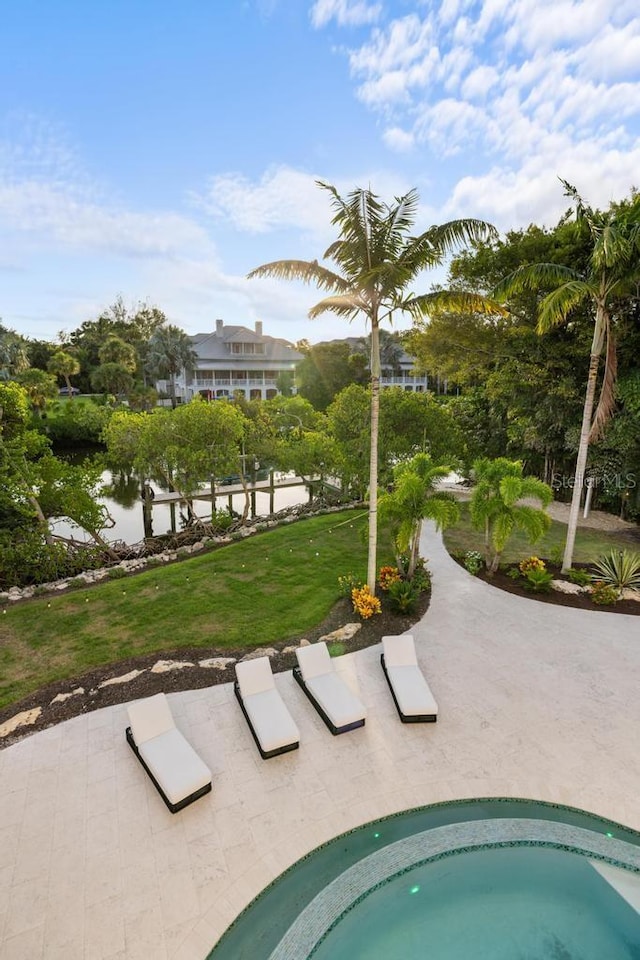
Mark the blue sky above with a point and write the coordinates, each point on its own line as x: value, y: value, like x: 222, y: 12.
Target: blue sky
x: 161, y: 150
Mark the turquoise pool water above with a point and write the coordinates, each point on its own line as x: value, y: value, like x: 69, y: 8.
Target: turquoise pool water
x: 275, y: 914
x: 495, y: 904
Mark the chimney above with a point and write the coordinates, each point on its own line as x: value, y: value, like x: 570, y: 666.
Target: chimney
x: 219, y: 326
x: 259, y: 328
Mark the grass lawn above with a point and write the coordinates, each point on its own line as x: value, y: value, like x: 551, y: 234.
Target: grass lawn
x: 253, y: 592
x: 590, y: 544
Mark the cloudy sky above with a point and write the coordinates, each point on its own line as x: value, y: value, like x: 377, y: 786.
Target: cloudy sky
x: 161, y: 150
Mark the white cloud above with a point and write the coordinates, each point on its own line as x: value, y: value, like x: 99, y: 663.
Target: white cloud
x: 346, y: 13
x: 283, y: 198
x: 398, y: 139
x: 478, y: 83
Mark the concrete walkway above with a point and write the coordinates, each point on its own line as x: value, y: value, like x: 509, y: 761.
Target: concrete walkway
x: 535, y: 700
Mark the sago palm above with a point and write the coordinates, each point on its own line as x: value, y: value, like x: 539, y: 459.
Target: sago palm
x: 613, y: 272
x: 376, y: 258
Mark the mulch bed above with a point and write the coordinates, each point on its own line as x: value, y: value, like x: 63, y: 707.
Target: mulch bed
x: 581, y: 601
x: 191, y: 678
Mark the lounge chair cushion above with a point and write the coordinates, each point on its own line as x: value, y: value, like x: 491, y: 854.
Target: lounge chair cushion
x: 314, y: 661
x: 399, y: 651
x: 271, y: 721
x: 254, y: 676
x: 150, y: 717
x: 175, y: 764
x: 335, y: 698
x: 412, y: 690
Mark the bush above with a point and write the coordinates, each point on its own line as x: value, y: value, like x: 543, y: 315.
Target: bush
x: 403, y: 595
x: 531, y: 563
x: 387, y: 576
x: 30, y: 560
x: 538, y: 581
x: 580, y: 577
x: 473, y: 561
x: 421, y: 578
x: 116, y: 573
x: 348, y: 583
x: 619, y: 568
x: 364, y: 602
x: 604, y: 594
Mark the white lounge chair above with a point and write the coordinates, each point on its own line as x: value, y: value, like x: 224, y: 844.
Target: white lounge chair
x: 340, y: 709
x: 270, y: 722
x: 410, y: 691
x: 178, y: 773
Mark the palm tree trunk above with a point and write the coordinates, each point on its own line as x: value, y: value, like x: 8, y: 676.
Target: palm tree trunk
x: 581, y: 462
x: 373, y: 462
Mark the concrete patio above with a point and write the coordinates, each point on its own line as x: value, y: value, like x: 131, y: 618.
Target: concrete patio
x: 536, y: 701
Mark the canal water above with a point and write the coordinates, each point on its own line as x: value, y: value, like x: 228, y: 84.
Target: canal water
x: 122, y: 498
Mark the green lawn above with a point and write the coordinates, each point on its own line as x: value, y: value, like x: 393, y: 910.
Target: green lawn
x: 256, y: 591
x: 590, y: 544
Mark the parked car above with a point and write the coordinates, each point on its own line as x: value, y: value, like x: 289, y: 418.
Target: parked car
x: 64, y: 391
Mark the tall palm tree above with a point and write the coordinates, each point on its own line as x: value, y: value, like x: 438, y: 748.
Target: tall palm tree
x: 169, y: 352
x: 613, y: 272
x: 376, y: 259
x: 65, y: 365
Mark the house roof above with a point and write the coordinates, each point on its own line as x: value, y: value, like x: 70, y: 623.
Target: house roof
x: 215, y: 345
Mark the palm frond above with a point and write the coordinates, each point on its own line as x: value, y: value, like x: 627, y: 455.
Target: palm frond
x: 448, y: 237
x: 560, y: 302
x: 532, y: 276
x: 345, y: 306
x: 451, y: 301
x: 308, y: 271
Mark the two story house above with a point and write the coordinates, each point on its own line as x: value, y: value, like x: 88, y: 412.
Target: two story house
x: 234, y: 359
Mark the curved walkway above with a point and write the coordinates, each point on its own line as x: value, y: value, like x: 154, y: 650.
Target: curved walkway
x: 535, y: 701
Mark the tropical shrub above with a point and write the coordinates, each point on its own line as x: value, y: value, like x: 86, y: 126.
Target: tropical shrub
x: 538, y: 581
x: 473, y: 562
x: 387, y: 576
x: 620, y: 568
x: 348, y: 583
x: 531, y: 563
x: 604, y: 594
x: 403, y: 595
x: 580, y: 577
x: 364, y: 602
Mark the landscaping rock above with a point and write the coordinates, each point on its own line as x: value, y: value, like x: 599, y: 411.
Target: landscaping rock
x: 563, y: 586
x: 260, y: 652
x: 24, y: 719
x: 165, y: 666
x: 217, y: 663
x: 629, y: 594
x: 65, y: 696
x: 123, y: 678
x: 347, y: 632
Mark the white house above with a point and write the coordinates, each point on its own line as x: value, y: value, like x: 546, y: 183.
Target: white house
x: 234, y: 359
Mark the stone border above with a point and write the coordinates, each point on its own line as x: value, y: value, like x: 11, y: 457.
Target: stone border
x: 326, y: 910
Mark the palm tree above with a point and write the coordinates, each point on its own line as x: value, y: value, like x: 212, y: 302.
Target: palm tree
x: 13, y: 354
x: 170, y: 351
x: 376, y: 259
x: 496, y: 505
x: 415, y: 498
x: 613, y: 272
x: 65, y: 365
x: 40, y: 386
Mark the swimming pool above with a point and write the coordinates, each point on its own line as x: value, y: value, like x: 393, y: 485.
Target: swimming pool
x: 317, y: 902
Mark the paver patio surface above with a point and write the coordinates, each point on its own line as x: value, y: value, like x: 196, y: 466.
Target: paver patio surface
x: 535, y: 700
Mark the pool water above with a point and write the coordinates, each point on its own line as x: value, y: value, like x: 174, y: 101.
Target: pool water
x: 491, y: 904
x: 280, y: 910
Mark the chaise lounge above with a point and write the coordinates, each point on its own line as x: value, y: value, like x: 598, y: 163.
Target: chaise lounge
x: 410, y: 691
x: 176, y: 770
x: 340, y: 709
x: 270, y: 722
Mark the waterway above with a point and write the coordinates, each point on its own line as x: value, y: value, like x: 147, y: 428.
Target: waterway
x: 122, y: 498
